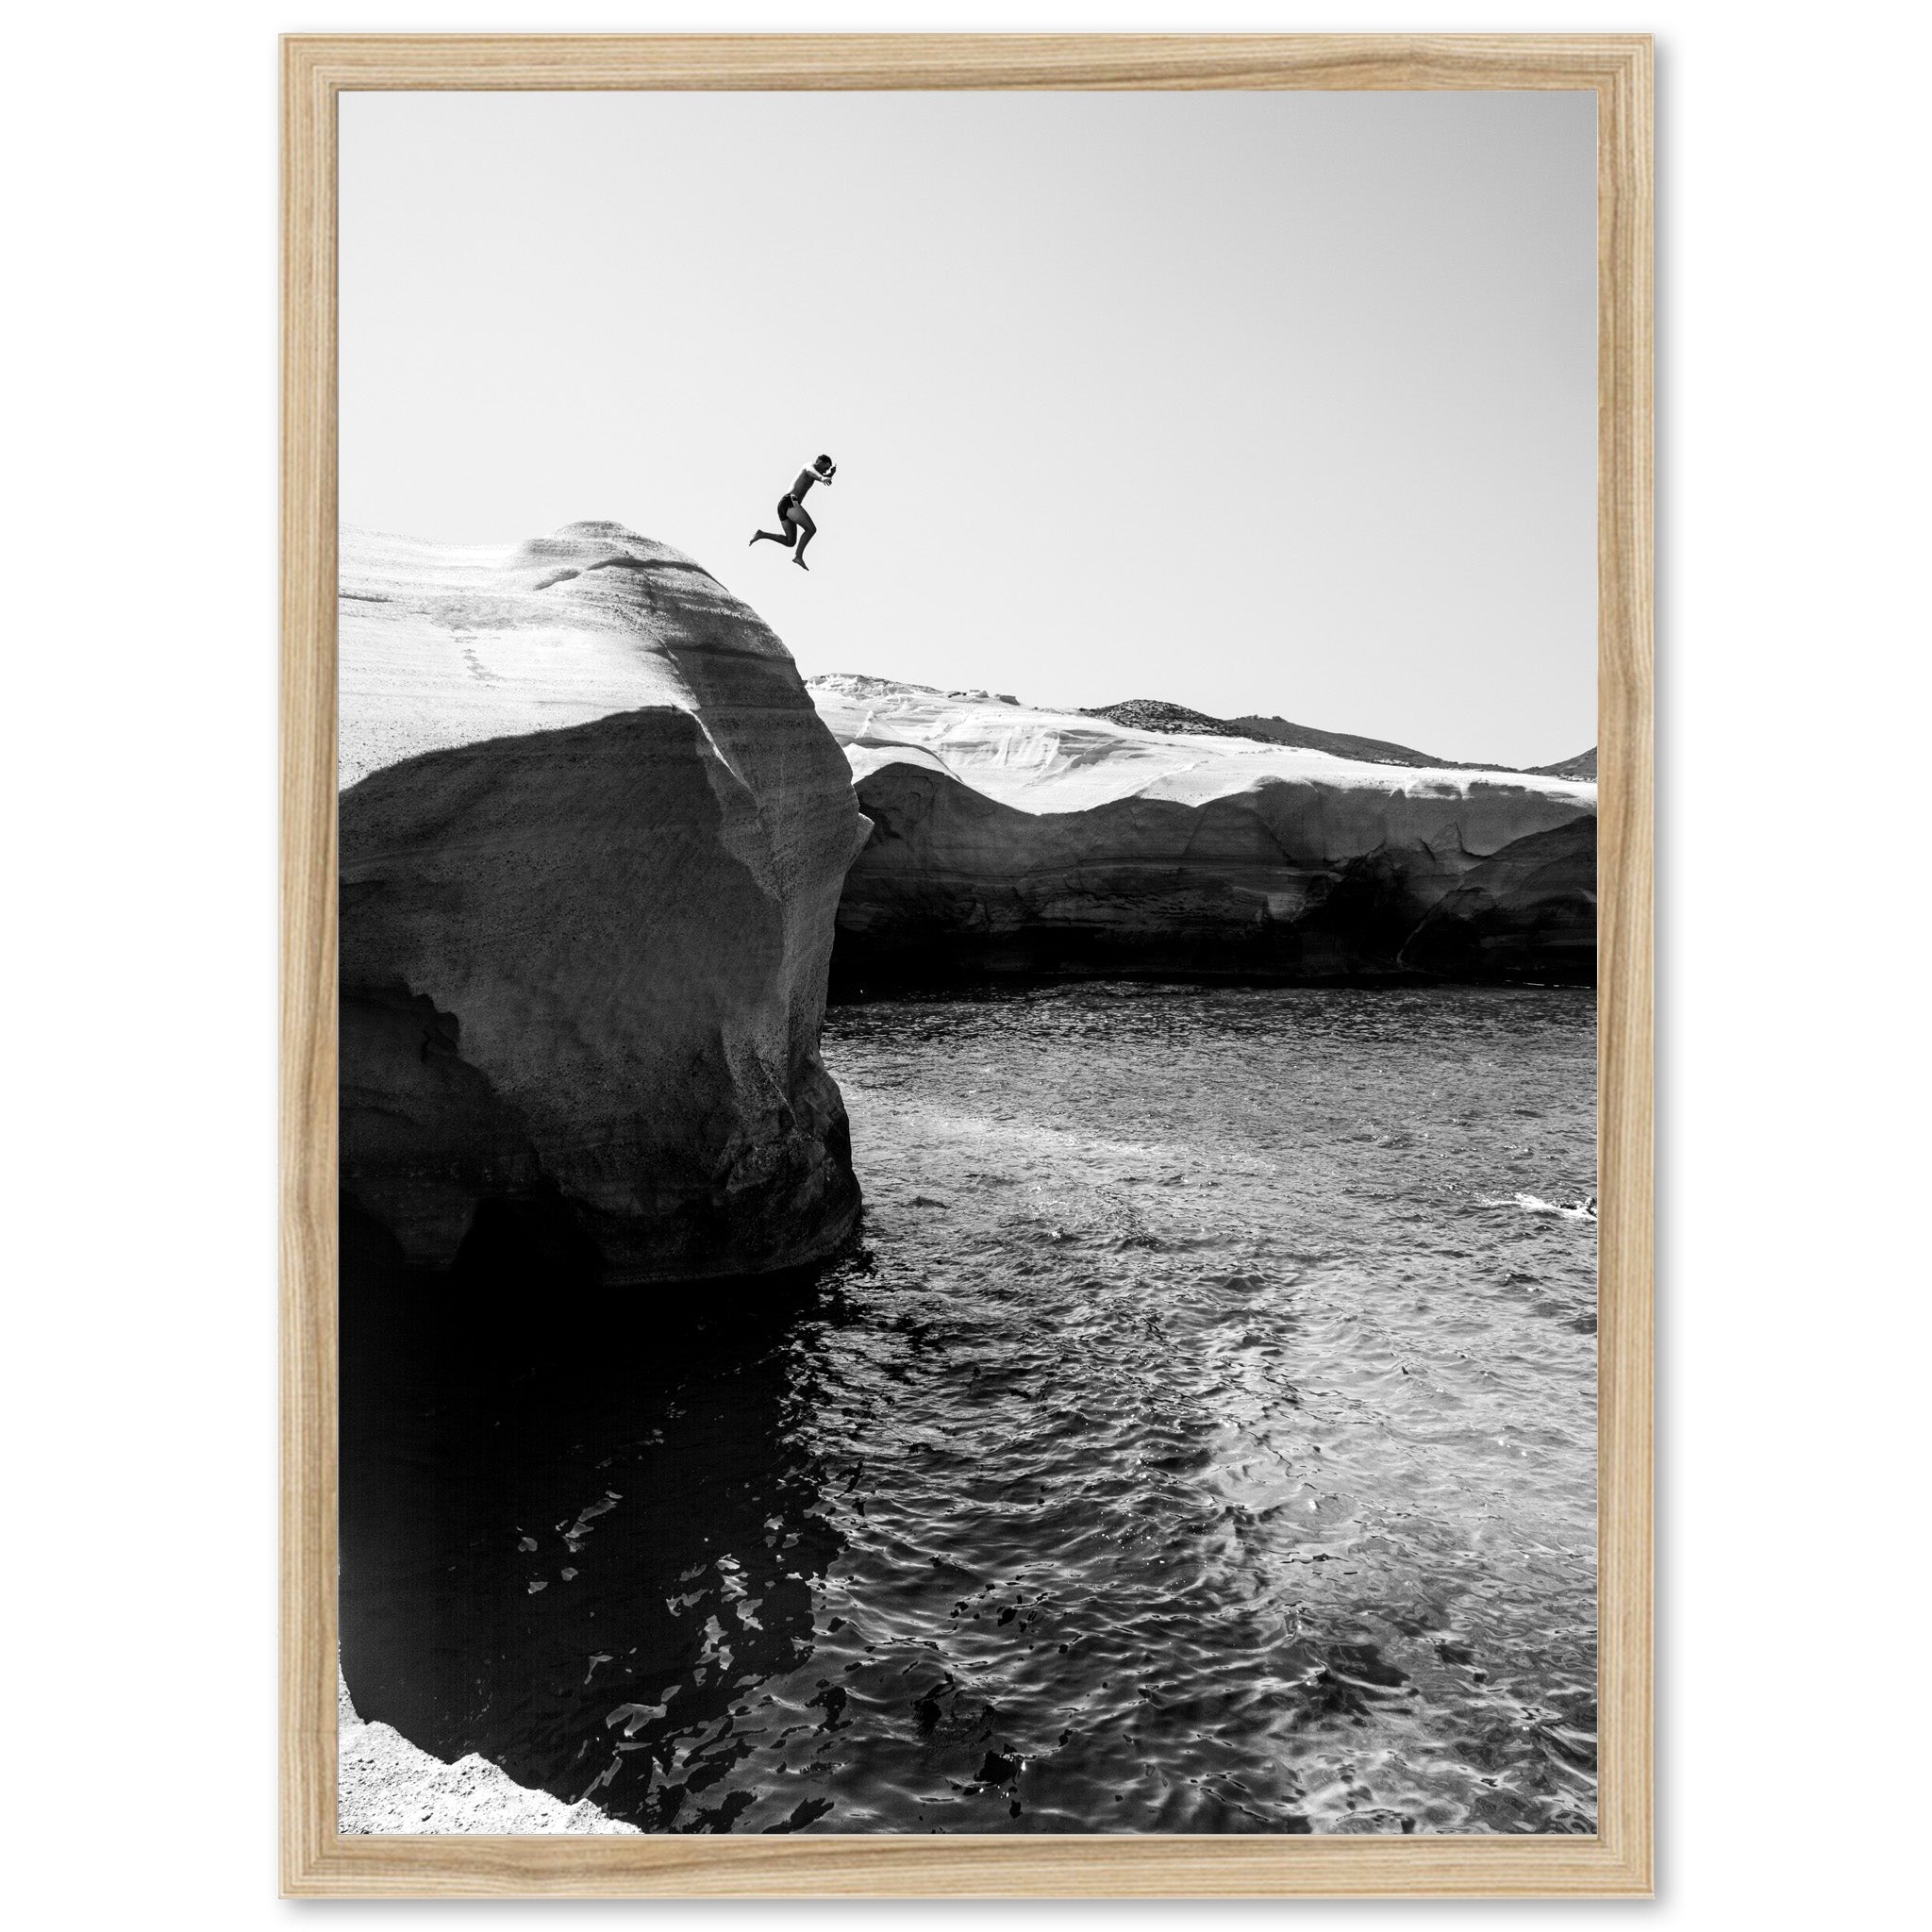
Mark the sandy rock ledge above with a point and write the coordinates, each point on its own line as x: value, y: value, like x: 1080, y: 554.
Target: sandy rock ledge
x: 386, y: 1787
x: 592, y: 840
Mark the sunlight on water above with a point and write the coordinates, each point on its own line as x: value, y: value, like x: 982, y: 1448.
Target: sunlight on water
x: 1203, y: 1440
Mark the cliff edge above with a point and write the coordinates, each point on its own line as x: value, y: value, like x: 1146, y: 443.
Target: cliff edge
x: 592, y: 841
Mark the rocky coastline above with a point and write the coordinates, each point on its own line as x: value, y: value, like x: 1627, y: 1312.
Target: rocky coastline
x: 1015, y: 843
x: 386, y: 1787
x: 593, y: 838
x: 603, y: 855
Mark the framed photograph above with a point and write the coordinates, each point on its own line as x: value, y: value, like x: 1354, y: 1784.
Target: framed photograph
x: 966, y: 1115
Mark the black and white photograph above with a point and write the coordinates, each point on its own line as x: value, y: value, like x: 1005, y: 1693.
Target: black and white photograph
x: 967, y: 933
x: 930, y: 977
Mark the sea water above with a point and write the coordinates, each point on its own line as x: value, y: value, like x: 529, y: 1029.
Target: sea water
x: 1201, y: 1438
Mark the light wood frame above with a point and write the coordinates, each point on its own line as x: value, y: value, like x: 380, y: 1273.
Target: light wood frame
x: 315, y: 1860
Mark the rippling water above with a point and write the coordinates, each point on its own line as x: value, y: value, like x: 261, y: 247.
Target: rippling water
x: 1203, y: 1440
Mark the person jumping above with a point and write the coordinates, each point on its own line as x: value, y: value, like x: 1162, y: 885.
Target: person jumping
x: 795, y: 526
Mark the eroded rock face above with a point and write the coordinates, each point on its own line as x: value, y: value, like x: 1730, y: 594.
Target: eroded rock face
x: 592, y: 840
x: 1023, y: 842
x: 1527, y: 912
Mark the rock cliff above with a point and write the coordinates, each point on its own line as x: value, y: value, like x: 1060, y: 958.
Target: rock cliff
x: 1528, y: 911
x: 593, y: 838
x: 1009, y: 840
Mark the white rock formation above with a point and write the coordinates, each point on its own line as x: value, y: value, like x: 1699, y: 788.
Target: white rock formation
x: 388, y: 1786
x: 1014, y: 839
x: 592, y: 840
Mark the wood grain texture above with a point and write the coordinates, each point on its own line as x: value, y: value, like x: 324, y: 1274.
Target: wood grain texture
x: 306, y: 1112
x: 315, y: 1861
x: 1626, y: 1233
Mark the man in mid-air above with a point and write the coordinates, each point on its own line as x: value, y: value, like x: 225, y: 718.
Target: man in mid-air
x: 796, y: 526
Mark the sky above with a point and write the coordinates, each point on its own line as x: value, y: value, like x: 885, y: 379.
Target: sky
x: 1255, y: 402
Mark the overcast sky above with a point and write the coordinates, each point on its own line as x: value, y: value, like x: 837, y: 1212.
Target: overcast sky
x: 1269, y: 402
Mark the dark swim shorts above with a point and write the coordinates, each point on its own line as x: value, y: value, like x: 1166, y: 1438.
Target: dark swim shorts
x: 787, y: 504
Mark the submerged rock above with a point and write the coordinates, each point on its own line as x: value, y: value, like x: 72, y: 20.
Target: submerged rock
x: 593, y: 838
x: 1009, y: 840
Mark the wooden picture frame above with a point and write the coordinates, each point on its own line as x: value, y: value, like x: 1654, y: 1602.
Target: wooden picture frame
x: 315, y: 1860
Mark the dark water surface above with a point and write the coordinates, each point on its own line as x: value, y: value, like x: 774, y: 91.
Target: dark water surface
x: 1203, y: 1440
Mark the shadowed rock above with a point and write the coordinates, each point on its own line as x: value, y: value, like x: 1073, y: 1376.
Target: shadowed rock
x: 1016, y: 843
x: 1527, y: 912
x: 593, y: 838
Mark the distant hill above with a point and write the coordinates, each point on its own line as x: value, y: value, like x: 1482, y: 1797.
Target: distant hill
x: 1157, y: 715
x: 1582, y: 766
x: 1344, y: 744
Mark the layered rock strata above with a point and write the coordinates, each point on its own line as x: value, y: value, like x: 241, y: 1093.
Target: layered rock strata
x: 592, y: 840
x: 1014, y: 841
x: 1530, y: 911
